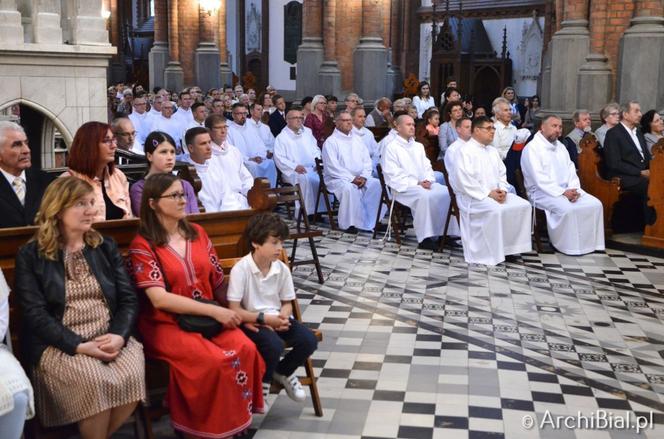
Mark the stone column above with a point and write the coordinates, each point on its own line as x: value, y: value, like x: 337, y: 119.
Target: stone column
x: 641, y: 62
x: 173, y: 74
x: 310, y: 52
x: 158, y: 56
x: 85, y: 24
x: 595, y: 78
x: 11, y: 29
x: 46, y: 22
x: 393, y: 75
x: 329, y: 74
x: 206, y: 58
x: 370, y: 57
x: 569, y: 48
x: 224, y: 69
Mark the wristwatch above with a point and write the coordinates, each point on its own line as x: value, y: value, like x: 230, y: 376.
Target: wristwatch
x: 260, y: 318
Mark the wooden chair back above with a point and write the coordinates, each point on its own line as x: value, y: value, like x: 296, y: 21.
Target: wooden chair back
x: 654, y: 233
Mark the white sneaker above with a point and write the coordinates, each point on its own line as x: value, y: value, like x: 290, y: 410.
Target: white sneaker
x: 292, y: 385
x: 266, y: 392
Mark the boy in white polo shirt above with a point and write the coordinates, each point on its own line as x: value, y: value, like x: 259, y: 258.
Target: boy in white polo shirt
x: 260, y: 291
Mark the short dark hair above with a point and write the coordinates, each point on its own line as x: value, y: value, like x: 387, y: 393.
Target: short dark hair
x: 191, y: 134
x: 460, y: 121
x: 329, y: 98
x: 184, y: 92
x: 214, y: 119
x: 479, y: 121
x: 449, y: 106
x: 196, y: 105
x: 263, y: 225
x: 251, y: 106
x: 275, y: 98
x: 238, y: 105
x: 156, y: 138
x: 150, y: 227
x: 306, y: 100
x: 294, y: 108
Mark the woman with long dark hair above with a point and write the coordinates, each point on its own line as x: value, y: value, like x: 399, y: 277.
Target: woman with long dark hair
x: 423, y: 101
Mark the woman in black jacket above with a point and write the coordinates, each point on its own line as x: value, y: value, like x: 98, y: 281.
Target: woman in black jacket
x: 79, y: 308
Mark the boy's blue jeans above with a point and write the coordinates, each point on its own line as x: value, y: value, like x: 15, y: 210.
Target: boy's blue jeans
x: 271, y: 345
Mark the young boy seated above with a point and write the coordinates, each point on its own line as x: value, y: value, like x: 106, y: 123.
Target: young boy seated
x: 260, y: 291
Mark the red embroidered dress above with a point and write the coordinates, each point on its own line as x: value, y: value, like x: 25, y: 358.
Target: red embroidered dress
x: 215, y: 385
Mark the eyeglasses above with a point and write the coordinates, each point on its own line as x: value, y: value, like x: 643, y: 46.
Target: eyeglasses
x: 109, y: 141
x: 240, y: 114
x: 488, y: 128
x: 295, y: 117
x: 175, y: 196
x: 614, y: 113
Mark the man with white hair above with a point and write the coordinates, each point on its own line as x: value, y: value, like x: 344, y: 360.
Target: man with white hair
x: 572, y: 140
x: 347, y: 173
x: 295, y: 153
x: 408, y: 173
x: 381, y: 115
x: 494, y: 223
x: 504, y: 137
x: 21, y: 188
x: 248, y: 140
x: 574, y: 218
x: 351, y: 101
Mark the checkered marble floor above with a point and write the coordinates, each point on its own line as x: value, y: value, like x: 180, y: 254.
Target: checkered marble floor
x: 419, y: 344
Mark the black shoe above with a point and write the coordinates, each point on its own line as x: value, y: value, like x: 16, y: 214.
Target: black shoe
x: 453, y: 242
x: 512, y: 258
x: 428, y: 244
x: 352, y: 229
x: 381, y: 228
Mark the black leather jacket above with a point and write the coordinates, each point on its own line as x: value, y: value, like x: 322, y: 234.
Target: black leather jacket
x: 40, y: 288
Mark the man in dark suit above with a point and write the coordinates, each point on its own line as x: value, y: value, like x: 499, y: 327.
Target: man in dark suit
x: 626, y: 155
x: 21, y: 188
x: 277, y: 120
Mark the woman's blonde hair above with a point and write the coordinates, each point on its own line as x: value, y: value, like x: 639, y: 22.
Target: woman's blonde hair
x: 62, y: 194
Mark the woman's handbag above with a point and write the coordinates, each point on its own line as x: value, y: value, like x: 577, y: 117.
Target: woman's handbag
x: 204, y: 325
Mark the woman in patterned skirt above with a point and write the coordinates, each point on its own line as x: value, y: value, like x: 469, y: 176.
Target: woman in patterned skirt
x: 79, y: 307
x: 215, y: 384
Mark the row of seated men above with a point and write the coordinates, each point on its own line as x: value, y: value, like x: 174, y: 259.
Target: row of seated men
x: 79, y: 303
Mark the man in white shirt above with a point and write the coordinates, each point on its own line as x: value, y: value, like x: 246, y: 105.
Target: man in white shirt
x: 295, y: 153
x: 139, y: 118
x: 256, y: 112
x: 367, y: 137
x: 463, y: 129
x: 183, y: 115
x: 574, y: 219
x: 408, y: 173
x: 217, y: 125
x: 347, y: 173
x: 504, y: 137
x: 494, y: 223
x: 248, y: 140
x: 199, y: 113
x: 126, y: 135
x: 167, y: 123
x: 225, y: 180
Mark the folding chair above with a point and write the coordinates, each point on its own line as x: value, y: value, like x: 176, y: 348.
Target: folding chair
x: 453, y: 210
x: 539, y: 216
x: 327, y: 195
x: 395, y: 208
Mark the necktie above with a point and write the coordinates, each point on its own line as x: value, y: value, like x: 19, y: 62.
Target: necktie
x: 19, y: 188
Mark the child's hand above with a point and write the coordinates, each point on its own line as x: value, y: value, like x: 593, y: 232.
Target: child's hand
x: 277, y: 322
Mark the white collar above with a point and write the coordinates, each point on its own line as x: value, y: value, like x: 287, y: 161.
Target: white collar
x: 10, y: 178
x: 275, y: 268
x: 548, y: 145
x: 341, y: 135
x: 474, y: 142
x: 632, y: 130
x: 359, y: 131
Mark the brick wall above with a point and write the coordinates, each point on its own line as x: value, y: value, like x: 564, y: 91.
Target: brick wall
x: 619, y: 15
x: 188, y: 31
x: 348, y: 30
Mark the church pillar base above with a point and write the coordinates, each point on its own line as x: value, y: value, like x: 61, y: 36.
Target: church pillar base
x: 309, y: 60
x: 174, y: 77
x: 369, y: 69
x: 226, y: 75
x: 157, y: 61
x: 329, y: 79
x: 569, y: 48
x: 642, y: 45
x: 206, y: 62
x: 594, y: 84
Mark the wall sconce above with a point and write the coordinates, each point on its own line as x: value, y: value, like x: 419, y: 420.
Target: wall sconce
x: 209, y: 6
x: 105, y: 14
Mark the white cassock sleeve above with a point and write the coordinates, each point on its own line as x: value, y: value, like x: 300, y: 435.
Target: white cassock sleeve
x: 532, y: 163
x: 465, y: 178
x: 367, y: 167
x: 502, y: 171
x: 426, y: 165
x: 332, y: 161
x: 209, y: 196
x: 246, y: 178
x: 281, y: 159
x: 395, y: 176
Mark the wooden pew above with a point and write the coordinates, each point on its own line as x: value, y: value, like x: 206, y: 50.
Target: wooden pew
x: 431, y: 146
x: 607, y: 191
x: 654, y: 234
x: 379, y: 132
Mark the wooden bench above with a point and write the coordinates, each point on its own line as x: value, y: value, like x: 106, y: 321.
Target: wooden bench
x: 607, y: 191
x: 226, y: 231
x: 431, y: 146
x: 654, y: 233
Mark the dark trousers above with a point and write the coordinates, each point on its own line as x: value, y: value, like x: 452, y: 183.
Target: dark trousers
x: 271, y: 345
x: 512, y: 163
x: 639, y: 187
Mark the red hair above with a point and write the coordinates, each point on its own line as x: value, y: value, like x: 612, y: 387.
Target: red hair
x: 84, y: 151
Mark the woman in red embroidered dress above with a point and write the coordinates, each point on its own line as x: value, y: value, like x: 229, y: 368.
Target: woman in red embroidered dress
x: 215, y: 384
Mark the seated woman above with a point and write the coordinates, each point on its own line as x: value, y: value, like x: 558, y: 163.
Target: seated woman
x: 652, y: 127
x: 160, y: 152
x: 91, y: 159
x: 215, y: 383
x: 79, y: 307
x: 16, y: 401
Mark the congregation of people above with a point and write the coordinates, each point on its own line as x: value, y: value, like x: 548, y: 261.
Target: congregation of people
x: 91, y: 319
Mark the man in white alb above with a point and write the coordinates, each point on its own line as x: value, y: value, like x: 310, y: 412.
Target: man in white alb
x: 295, y: 153
x: 225, y: 180
x: 255, y: 154
x: 347, y: 173
x: 359, y: 116
x: 256, y: 112
x: 408, y: 173
x: 166, y: 123
x: 574, y: 218
x: 139, y: 118
x: 494, y: 223
x: 463, y: 129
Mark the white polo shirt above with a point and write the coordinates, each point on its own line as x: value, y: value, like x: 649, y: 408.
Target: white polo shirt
x: 257, y: 293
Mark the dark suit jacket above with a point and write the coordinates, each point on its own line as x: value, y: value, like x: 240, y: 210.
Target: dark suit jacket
x: 276, y: 123
x: 12, y: 213
x: 622, y: 158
